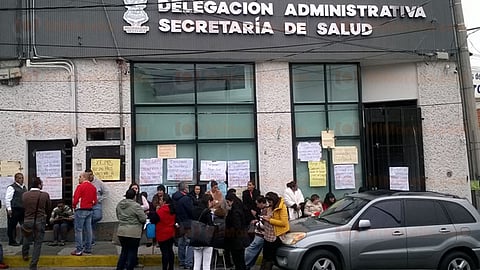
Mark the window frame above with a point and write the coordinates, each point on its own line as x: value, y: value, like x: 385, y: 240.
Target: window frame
x: 195, y: 140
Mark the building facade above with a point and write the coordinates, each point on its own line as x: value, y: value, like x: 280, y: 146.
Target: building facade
x: 165, y: 91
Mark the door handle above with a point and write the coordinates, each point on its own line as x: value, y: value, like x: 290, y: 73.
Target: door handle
x: 444, y: 230
x: 397, y: 233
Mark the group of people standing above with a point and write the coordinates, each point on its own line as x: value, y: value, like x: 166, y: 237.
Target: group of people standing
x: 31, y: 209
x: 247, y: 225
x: 233, y: 217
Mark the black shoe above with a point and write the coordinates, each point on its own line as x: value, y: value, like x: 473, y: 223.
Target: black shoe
x: 14, y: 244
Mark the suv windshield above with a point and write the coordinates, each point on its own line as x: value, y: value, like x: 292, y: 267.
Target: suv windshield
x: 343, y: 210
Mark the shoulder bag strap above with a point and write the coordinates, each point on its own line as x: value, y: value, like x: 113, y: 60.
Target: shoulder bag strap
x: 203, y: 212
x: 35, y: 218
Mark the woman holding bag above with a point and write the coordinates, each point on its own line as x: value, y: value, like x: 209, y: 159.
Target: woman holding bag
x: 165, y: 231
x: 202, y: 256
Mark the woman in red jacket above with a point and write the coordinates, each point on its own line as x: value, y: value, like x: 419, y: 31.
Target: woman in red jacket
x: 165, y: 231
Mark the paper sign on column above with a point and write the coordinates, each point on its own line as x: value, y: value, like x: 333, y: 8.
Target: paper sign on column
x: 106, y: 169
x: 167, y: 151
x: 180, y: 169
x: 344, y: 176
x: 345, y: 155
x: 5, y: 181
x: 399, y: 178
x: 49, y: 163
x: 317, y: 171
x: 53, y: 185
x: 238, y: 173
x: 213, y: 170
x: 9, y: 167
x: 151, y: 171
x: 309, y: 151
x: 328, y: 139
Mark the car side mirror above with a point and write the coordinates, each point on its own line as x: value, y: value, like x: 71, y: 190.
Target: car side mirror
x: 364, y: 224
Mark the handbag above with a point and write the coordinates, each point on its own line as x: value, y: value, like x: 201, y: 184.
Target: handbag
x: 201, y: 234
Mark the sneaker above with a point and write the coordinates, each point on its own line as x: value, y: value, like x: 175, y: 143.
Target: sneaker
x: 87, y: 253
x: 14, y: 244
x: 3, y: 266
x: 76, y: 253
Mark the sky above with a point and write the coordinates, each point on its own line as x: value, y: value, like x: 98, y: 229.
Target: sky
x: 471, y: 15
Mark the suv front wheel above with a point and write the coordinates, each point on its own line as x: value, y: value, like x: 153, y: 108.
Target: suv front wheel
x: 321, y: 260
x: 456, y: 261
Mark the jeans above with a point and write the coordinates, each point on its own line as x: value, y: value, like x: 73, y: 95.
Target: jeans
x: 168, y: 257
x: 128, y: 255
x: 253, y: 250
x: 97, y: 215
x: 185, y: 252
x: 202, y: 258
x: 60, y: 231
x: 37, y: 238
x: 83, y: 222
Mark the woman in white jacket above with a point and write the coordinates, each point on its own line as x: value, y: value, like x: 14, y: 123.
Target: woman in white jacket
x: 293, y: 197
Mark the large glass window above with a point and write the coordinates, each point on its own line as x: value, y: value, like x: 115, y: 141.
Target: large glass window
x: 326, y: 97
x: 207, y: 111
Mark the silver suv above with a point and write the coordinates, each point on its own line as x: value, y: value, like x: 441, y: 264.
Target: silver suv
x: 386, y: 230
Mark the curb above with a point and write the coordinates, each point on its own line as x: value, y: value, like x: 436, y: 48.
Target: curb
x: 79, y: 261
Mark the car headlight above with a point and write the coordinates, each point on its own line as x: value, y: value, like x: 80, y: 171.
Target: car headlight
x: 293, y: 237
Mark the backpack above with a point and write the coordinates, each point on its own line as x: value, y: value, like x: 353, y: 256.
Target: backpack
x: 150, y: 231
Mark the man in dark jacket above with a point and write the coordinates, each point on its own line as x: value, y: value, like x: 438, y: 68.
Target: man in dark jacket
x: 184, y: 215
x: 37, y: 204
x: 14, y: 205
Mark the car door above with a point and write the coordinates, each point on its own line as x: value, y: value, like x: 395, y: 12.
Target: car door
x: 383, y: 245
x: 429, y: 232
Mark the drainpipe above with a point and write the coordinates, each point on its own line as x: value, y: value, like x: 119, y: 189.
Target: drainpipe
x: 37, y: 61
x: 121, y: 65
x: 466, y: 91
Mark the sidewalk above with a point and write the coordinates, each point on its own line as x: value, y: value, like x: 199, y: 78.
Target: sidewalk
x: 104, y: 257
x: 104, y: 254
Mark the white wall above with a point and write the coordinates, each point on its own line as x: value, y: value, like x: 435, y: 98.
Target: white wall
x: 443, y: 131
x: 29, y: 114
